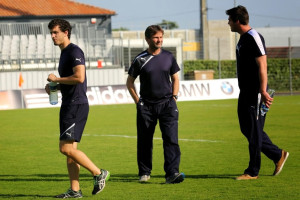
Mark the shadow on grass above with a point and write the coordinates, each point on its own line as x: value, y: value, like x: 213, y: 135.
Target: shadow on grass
x: 34, y: 177
x: 65, y: 177
x: 56, y: 177
x: 131, y: 178
x: 134, y: 177
x: 27, y: 178
x: 213, y: 176
x: 113, y: 177
x: 23, y: 195
x: 87, y: 177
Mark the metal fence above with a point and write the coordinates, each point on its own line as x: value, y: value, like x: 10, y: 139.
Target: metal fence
x: 283, y: 63
x: 29, y: 47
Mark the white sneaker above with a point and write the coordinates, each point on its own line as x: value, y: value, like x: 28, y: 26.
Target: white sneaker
x: 144, y: 178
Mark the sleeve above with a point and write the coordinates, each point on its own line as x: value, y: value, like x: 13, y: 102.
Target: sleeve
x: 77, y: 57
x: 134, y: 69
x: 174, y: 68
x: 258, y: 45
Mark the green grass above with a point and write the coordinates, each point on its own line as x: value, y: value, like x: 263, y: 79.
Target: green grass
x: 31, y: 166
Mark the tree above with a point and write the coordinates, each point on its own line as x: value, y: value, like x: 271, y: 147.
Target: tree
x: 121, y: 29
x: 169, y: 25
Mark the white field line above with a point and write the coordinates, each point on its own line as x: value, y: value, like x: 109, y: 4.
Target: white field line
x: 134, y: 137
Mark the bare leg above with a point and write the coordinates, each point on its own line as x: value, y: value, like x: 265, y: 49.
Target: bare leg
x: 75, y: 159
x: 73, y: 169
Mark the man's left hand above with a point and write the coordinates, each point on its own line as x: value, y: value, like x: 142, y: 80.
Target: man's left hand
x: 266, y: 99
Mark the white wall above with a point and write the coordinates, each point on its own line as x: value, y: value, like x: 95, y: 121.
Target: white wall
x: 278, y: 36
x: 38, y: 79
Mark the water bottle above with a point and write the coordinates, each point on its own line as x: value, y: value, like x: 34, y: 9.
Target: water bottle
x: 264, y: 109
x: 53, y: 97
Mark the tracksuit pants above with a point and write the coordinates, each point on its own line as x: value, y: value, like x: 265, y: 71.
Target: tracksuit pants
x: 252, y: 128
x: 147, y: 116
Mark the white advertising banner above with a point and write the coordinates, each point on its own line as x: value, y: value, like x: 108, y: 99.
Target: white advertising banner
x: 118, y: 94
x: 208, y: 90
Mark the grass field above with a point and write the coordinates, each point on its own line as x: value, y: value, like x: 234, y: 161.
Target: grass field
x: 213, y: 150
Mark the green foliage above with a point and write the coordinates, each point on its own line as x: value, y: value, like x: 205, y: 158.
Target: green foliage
x: 168, y: 25
x: 121, y: 29
x: 279, y: 74
x: 228, y: 68
x: 278, y: 71
x: 213, y: 151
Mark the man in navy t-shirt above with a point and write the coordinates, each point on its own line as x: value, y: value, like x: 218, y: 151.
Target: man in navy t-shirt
x: 70, y: 57
x: 159, y: 85
x: 74, y: 109
x: 252, y: 79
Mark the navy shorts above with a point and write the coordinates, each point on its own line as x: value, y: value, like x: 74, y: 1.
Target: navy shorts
x: 72, y: 120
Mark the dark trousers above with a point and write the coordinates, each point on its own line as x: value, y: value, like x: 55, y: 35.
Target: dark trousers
x: 252, y: 128
x: 147, y: 116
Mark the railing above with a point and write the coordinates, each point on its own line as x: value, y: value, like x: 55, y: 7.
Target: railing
x: 30, y: 47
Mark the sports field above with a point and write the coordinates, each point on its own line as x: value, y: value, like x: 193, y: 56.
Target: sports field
x: 213, y: 150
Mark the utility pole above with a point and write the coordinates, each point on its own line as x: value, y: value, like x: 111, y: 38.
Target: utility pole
x: 204, y: 30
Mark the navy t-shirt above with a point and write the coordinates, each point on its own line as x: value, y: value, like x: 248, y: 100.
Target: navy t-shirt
x: 250, y: 46
x: 70, y: 57
x: 154, y: 72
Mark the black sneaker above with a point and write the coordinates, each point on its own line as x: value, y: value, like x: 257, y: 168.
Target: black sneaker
x: 70, y: 194
x: 175, y: 178
x: 99, y: 181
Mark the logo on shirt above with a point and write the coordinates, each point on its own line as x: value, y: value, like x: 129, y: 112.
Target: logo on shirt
x: 78, y: 59
x: 238, y: 47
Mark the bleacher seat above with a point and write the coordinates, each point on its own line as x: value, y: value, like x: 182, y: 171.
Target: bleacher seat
x: 0, y: 44
x: 98, y: 51
x: 81, y: 44
x: 6, y: 47
x: 37, y: 50
x: 32, y: 44
x: 74, y: 39
x: 15, y: 47
x: 40, y: 46
x: 48, y: 47
x: 23, y: 46
x: 90, y: 52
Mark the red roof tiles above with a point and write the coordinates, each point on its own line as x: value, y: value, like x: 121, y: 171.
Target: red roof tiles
x: 17, y: 8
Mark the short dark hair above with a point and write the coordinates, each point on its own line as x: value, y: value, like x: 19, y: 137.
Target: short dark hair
x: 64, y: 25
x: 238, y: 13
x: 152, y: 30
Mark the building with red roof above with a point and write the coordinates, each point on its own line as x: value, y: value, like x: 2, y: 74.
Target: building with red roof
x: 37, y: 11
x: 25, y: 38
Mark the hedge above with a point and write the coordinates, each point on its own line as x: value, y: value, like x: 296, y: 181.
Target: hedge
x: 278, y: 71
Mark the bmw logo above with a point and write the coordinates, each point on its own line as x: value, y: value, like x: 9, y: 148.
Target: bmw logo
x: 227, y: 88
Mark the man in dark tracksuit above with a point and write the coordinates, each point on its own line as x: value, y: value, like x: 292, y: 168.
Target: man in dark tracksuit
x: 157, y: 101
x: 252, y: 78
